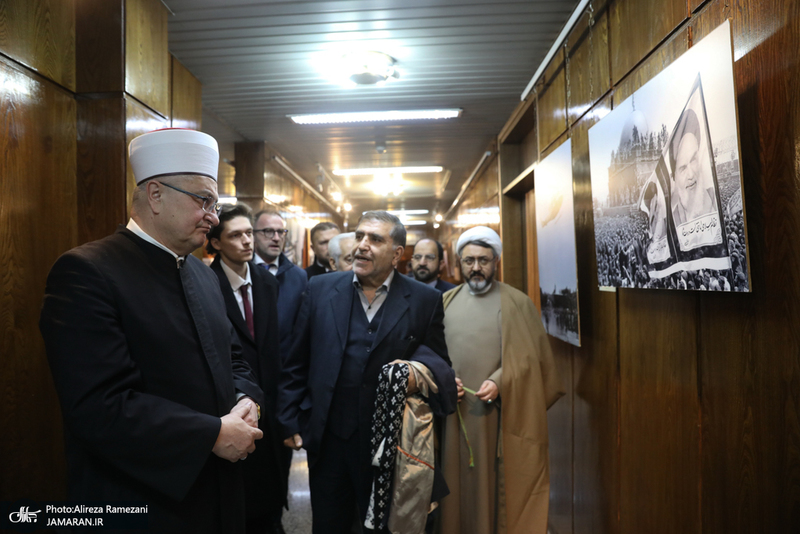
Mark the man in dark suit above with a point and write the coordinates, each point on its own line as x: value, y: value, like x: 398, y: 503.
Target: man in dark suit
x: 251, y: 302
x: 427, y: 263
x: 270, y: 237
x: 320, y: 236
x: 349, y: 326
x: 158, y: 404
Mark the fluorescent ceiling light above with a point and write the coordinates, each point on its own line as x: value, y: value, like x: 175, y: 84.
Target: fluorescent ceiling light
x: 374, y: 116
x: 400, y: 213
x: 227, y: 200
x: 386, y: 170
x: 414, y: 223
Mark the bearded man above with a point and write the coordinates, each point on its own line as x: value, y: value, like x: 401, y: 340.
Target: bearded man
x: 502, y: 357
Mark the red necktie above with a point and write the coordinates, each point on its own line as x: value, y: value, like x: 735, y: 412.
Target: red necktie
x: 248, y: 310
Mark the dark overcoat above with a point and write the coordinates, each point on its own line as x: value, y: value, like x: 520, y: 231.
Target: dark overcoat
x: 264, y: 483
x: 142, y: 386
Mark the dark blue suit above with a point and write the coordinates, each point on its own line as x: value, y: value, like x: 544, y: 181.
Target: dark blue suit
x: 443, y: 286
x: 292, y: 281
x: 410, y: 328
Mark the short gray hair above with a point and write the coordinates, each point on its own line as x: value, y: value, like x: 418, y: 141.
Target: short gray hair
x: 398, y: 233
x: 334, y: 249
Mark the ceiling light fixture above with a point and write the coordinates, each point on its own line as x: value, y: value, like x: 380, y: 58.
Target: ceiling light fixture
x: 386, y: 170
x: 376, y: 116
x: 414, y: 223
x: 400, y: 213
x: 388, y: 184
x: 368, y: 67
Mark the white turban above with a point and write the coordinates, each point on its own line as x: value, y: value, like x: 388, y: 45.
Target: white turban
x: 480, y: 235
x: 173, y: 151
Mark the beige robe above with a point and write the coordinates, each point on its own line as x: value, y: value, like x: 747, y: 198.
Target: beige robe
x: 529, y: 385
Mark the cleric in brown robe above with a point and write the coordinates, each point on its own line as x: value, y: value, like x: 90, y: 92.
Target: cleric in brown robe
x: 158, y: 405
x: 507, y: 379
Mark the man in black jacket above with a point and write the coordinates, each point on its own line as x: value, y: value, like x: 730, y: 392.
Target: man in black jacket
x: 251, y: 302
x: 158, y: 404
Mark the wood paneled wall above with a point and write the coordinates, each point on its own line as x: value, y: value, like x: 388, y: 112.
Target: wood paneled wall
x: 71, y: 100
x: 682, y: 407
x: 37, y: 223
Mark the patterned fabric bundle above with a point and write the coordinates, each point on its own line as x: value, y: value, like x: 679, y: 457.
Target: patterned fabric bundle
x: 386, y: 423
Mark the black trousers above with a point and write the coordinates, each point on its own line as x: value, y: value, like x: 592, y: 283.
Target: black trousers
x: 340, y: 479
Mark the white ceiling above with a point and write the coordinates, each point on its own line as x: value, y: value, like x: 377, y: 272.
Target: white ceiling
x: 256, y: 61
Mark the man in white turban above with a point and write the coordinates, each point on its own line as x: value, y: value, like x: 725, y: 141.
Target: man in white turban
x: 158, y: 404
x: 495, y: 457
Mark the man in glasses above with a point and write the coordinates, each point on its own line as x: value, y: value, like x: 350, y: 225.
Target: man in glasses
x: 251, y: 303
x: 270, y: 237
x: 427, y: 263
x: 499, y: 351
x: 159, y: 407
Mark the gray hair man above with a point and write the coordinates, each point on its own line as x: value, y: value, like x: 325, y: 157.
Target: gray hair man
x: 340, y: 251
x: 499, y: 350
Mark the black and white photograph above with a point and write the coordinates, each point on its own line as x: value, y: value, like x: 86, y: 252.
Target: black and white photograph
x: 555, y: 237
x: 666, y: 179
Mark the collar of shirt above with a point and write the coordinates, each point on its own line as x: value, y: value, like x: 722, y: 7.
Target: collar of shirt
x: 274, y: 263
x: 384, y: 288
x: 433, y: 282
x: 236, y: 280
x: 381, y: 294
x: 136, y: 229
x: 326, y: 267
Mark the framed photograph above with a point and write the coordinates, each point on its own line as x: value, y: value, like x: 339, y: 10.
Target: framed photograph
x: 555, y: 240
x: 666, y: 179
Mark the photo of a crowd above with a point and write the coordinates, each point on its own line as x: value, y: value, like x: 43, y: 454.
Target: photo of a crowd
x: 667, y: 201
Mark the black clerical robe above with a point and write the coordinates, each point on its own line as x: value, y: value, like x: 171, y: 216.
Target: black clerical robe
x: 145, y: 362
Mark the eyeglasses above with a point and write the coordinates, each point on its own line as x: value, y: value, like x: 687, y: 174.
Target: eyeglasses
x: 210, y: 204
x: 483, y: 261
x: 428, y: 257
x: 269, y: 232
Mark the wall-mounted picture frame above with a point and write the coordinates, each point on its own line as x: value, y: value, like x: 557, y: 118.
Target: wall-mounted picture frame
x: 666, y: 179
x: 555, y: 241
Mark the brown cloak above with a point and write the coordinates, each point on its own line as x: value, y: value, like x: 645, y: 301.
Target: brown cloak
x: 530, y: 385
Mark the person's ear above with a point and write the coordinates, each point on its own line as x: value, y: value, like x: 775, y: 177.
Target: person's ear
x: 154, y: 193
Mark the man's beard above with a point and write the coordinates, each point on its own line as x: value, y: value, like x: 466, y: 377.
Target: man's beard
x: 425, y: 275
x: 479, y: 282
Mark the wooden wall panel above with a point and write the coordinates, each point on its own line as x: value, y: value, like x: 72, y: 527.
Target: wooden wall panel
x: 595, y: 375
x: 587, y: 68
x: 552, y: 101
x: 750, y: 358
x: 636, y: 27
x: 659, y: 412
x: 102, y: 167
x: 40, y: 34
x: 37, y: 224
x: 139, y: 119
x: 100, y: 46
x: 147, y: 59
x: 532, y: 251
x: 560, y: 430
x: 658, y: 60
x: 187, y: 98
